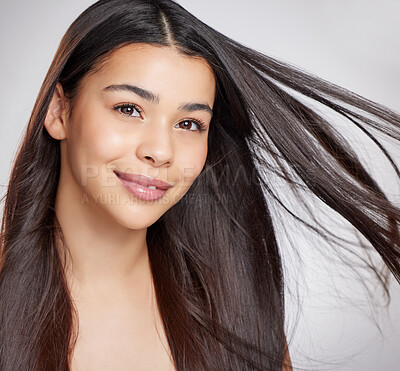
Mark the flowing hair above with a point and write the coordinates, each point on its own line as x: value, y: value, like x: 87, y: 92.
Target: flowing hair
x: 221, y: 292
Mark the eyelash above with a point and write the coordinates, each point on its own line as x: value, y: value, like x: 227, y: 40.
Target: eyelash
x: 201, y: 126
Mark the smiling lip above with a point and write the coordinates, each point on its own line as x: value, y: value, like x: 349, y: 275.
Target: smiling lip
x: 138, y: 186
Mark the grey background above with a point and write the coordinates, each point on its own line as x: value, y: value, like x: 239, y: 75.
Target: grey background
x: 352, y: 43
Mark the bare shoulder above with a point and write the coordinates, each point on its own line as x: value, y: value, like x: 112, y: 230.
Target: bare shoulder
x: 287, y: 364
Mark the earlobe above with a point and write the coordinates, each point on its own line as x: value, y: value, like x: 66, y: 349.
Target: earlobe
x: 56, y: 118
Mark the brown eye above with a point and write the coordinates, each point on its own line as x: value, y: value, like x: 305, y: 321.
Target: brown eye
x: 128, y: 109
x: 192, y: 125
x: 188, y: 124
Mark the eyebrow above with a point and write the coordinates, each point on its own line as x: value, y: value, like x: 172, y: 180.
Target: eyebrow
x: 153, y: 98
x: 192, y: 107
x: 145, y: 94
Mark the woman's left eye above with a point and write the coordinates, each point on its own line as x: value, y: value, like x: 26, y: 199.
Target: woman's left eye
x: 128, y: 109
x: 194, y: 124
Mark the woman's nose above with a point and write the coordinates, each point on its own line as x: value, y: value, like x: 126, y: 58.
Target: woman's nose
x: 156, y: 147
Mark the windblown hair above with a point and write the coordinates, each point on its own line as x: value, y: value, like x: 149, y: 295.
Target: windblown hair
x: 221, y: 294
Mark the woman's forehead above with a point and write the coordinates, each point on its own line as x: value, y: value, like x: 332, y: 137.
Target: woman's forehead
x: 158, y: 68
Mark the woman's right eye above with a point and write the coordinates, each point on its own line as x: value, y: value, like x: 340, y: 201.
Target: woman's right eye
x: 128, y: 109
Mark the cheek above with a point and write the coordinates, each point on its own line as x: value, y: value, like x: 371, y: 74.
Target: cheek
x: 91, y: 146
x: 191, y: 164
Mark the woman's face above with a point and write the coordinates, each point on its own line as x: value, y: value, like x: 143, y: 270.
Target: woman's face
x: 140, y: 114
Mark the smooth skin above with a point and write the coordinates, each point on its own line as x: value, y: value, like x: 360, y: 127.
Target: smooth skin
x: 104, y: 225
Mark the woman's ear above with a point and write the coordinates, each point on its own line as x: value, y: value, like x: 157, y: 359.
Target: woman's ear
x: 56, y: 118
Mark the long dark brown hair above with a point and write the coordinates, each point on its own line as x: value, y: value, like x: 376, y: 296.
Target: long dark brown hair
x: 221, y: 293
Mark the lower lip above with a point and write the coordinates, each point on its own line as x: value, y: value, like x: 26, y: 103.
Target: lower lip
x: 142, y: 192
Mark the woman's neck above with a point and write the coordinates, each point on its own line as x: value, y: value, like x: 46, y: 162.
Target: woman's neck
x: 104, y: 255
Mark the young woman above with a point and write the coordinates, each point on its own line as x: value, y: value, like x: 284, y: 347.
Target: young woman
x: 140, y: 221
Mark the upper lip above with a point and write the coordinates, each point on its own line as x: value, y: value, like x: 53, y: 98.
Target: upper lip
x: 143, y: 180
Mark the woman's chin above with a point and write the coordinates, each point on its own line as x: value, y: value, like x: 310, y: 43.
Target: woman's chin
x: 136, y: 217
